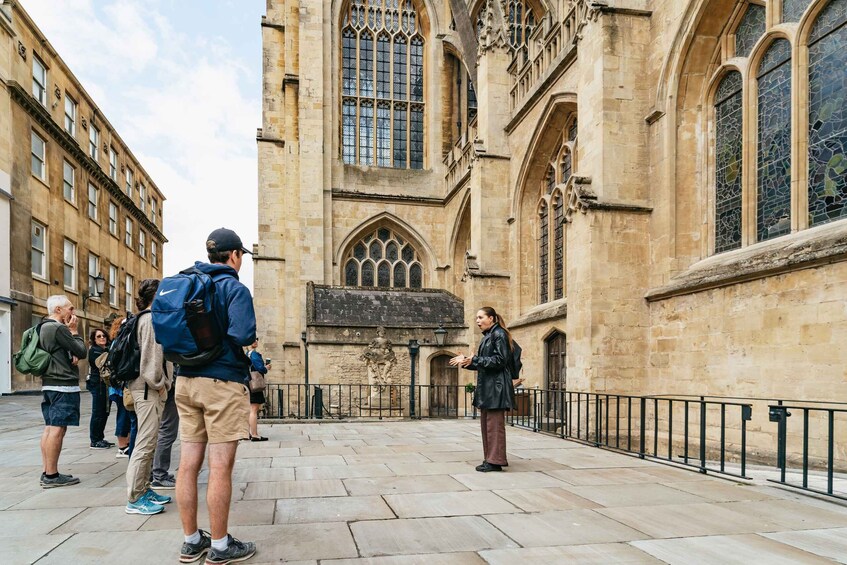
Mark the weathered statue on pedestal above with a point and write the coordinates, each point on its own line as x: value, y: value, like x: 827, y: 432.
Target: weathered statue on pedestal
x: 379, y: 359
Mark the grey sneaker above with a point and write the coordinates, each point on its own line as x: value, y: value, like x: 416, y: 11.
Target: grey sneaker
x: 60, y: 481
x: 194, y: 551
x: 164, y: 483
x: 235, y: 551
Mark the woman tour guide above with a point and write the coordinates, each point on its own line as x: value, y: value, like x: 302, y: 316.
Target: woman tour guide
x: 497, y: 362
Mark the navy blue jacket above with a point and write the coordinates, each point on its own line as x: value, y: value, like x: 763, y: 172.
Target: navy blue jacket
x: 257, y: 362
x: 234, y: 307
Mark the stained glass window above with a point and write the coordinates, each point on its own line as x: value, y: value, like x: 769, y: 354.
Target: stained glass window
x: 828, y: 115
x: 558, y: 247
x: 751, y: 28
x: 792, y: 10
x: 728, y: 159
x: 382, y: 63
x: 521, y: 22
x: 382, y: 258
x: 368, y: 273
x: 384, y: 275
x: 351, y: 273
x: 471, y: 99
x: 565, y: 167
x: 550, y: 179
x: 415, y: 276
x: 572, y: 131
x: 543, y: 257
x: 774, y: 142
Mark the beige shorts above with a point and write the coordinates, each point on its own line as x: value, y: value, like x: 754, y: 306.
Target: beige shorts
x: 211, y: 410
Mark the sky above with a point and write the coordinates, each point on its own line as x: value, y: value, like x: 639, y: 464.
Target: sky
x: 181, y: 82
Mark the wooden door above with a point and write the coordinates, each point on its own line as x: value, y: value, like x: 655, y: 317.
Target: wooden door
x: 556, y: 377
x: 444, y: 388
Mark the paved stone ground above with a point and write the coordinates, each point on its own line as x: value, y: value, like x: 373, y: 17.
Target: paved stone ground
x: 388, y: 493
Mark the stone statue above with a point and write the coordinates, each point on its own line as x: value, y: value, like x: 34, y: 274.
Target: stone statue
x: 380, y: 359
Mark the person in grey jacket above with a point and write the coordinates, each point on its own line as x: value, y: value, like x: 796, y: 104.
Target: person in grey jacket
x: 149, y: 393
x: 58, y: 336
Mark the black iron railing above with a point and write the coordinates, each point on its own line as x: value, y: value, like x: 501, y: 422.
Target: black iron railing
x: 817, y: 462
x: 697, y: 433
x: 707, y: 433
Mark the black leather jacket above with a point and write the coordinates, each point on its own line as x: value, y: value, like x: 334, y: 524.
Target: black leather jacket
x: 494, y: 366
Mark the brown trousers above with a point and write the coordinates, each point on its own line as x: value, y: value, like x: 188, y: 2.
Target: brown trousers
x: 493, y: 425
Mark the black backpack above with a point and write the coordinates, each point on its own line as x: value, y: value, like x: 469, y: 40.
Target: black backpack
x: 124, y: 359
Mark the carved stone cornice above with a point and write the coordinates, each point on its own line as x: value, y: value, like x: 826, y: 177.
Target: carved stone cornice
x: 41, y: 116
x: 579, y: 197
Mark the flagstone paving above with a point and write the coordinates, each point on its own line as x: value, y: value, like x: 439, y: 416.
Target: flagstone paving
x: 405, y: 493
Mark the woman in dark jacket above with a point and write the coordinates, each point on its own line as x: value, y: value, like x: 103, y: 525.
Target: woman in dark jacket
x: 495, y: 367
x: 257, y: 398
x: 98, y: 342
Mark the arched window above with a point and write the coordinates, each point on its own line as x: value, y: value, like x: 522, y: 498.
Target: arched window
x: 521, y: 19
x: 543, y: 252
x: 383, y: 259
x: 382, y: 84
x: 819, y: 187
x: 828, y: 115
x: 551, y: 210
x: 558, y: 246
x: 773, y: 210
x: 728, y: 160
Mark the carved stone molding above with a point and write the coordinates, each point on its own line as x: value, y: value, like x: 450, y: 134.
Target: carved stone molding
x: 578, y: 196
x: 58, y: 93
x: 471, y: 266
x: 22, y: 50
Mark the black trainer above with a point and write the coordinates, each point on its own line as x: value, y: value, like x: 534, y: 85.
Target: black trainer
x: 102, y: 444
x: 194, y: 551
x: 60, y: 481
x: 488, y: 467
x: 235, y: 551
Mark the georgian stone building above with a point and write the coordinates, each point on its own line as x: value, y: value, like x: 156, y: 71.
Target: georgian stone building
x: 652, y: 192
x: 79, y: 196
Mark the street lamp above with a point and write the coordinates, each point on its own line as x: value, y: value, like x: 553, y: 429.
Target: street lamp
x: 306, y: 353
x: 440, y: 335
x: 96, y: 291
x: 413, y: 353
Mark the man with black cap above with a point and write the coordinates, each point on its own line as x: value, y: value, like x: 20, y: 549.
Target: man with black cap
x: 214, y: 404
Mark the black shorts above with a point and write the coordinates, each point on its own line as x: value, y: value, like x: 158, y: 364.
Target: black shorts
x: 60, y: 409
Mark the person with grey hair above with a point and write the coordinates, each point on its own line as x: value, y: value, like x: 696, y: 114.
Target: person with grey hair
x: 59, y: 336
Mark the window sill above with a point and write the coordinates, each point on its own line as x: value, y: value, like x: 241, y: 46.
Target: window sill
x: 806, y: 249
x: 72, y: 290
x: 71, y: 203
x: 41, y: 181
x: 557, y: 309
x: 40, y: 279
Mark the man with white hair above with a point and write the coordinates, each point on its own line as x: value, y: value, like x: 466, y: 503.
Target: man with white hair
x: 58, y: 336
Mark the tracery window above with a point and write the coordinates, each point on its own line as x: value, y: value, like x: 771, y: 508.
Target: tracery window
x: 383, y: 259
x: 828, y: 115
x: 521, y: 18
x: 773, y: 185
x: 382, y: 84
x: 551, y: 217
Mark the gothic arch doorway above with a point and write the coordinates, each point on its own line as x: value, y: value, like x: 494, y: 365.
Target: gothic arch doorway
x: 555, y: 378
x: 444, y: 388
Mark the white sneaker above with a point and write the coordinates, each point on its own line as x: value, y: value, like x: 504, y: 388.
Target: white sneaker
x: 122, y: 452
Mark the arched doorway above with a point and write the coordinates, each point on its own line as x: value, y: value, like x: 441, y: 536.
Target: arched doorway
x: 444, y: 388
x: 556, y: 377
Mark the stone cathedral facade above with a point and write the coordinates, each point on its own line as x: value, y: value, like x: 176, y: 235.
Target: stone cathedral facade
x: 652, y: 192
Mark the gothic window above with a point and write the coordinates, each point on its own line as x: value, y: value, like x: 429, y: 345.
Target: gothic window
x: 558, y: 246
x: 828, y: 115
x: 819, y: 187
x: 751, y: 28
x: 551, y: 214
x: 774, y: 142
x: 728, y: 159
x: 383, y: 259
x: 792, y: 10
x: 521, y: 18
x: 543, y: 258
x: 382, y: 84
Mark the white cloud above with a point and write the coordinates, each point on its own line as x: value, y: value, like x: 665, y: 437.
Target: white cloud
x: 177, y: 99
